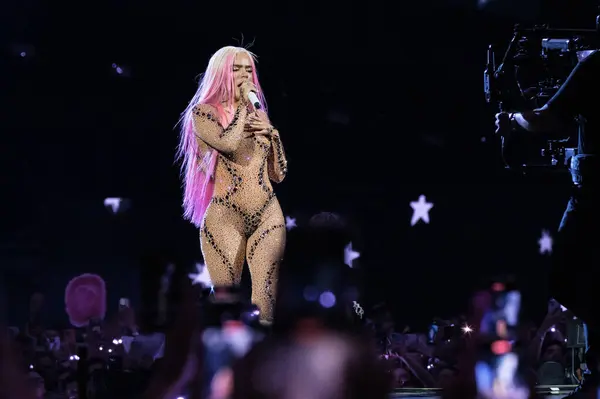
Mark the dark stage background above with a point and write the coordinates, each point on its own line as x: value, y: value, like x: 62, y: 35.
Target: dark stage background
x: 377, y: 104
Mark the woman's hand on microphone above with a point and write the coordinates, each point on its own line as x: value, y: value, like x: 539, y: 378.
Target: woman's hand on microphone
x: 246, y: 88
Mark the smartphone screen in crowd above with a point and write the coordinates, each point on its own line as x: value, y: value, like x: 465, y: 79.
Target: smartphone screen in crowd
x: 497, y: 371
x: 227, y: 336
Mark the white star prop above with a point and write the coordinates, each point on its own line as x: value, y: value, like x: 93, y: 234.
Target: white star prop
x: 202, y: 277
x: 290, y: 223
x: 350, y: 255
x: 113, y: 203
x: 421, y: 210
x: 545, y: 243
x: 121, y: 70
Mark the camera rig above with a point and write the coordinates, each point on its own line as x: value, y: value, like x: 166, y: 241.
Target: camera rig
x: 536, y: 63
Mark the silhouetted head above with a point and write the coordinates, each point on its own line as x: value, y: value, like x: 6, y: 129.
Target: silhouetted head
x: 314, y: 281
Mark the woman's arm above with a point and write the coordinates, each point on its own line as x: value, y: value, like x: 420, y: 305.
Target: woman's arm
x: 277, y: 164
x: 208, y: 128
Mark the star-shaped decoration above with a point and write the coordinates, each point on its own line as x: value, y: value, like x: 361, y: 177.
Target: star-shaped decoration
x: 121, y: 70
x: 23, y: 50
x: 545, y: 243
x: 202, y: 276
x: 350, y: 255
x: 290, y: 223
x: 114, y: 204
x: 421, y: 210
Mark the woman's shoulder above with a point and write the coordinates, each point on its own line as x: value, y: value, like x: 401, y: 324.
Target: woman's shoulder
x: 206, y: 108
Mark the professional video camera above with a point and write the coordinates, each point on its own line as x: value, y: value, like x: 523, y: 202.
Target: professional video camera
x: 536, y: 63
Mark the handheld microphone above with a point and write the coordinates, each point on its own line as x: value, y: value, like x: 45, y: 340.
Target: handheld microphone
x: 254, y: 100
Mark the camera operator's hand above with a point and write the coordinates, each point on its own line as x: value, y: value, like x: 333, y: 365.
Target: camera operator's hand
x: 503, y: 123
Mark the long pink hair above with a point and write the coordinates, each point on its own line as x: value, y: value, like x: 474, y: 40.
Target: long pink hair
x: 198, y: 160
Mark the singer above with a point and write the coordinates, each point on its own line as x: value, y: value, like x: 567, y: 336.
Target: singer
x: 230, y: 153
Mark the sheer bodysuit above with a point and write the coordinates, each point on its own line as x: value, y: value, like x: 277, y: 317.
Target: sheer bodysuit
x: 244, y: 220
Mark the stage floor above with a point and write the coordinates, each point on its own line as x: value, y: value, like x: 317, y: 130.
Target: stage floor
x: 439, y: 397
x: 544, y: 391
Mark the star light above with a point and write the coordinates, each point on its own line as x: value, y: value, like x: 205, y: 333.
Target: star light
x: 290, y: 223
x: 22, y: 50
x: 421, y: 210
x: 202, y: 276
x: 481, y: 4
x: 113, y: 203
x: 350, y: 255
x: 545, y: 243
x: 121, y: 70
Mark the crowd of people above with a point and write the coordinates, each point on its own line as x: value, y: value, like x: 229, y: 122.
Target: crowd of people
x: 431, y: 360
x: 105, y: 357
x: 312, y: 350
